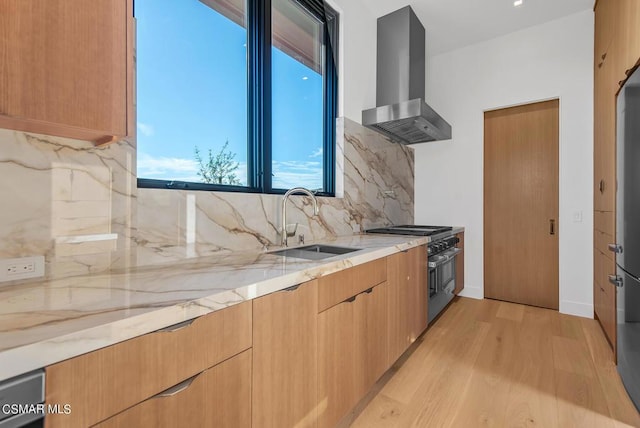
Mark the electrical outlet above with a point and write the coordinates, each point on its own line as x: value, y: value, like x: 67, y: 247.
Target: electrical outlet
x: 577, y: 216
x: 22, y: 268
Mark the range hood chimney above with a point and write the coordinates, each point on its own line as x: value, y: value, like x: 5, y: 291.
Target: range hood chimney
x: 401, y: 111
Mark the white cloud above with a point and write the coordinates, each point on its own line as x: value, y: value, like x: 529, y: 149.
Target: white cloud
x: 316, y: 153
x: 146, y: 129
x: 289, y: 174
x: 167, y: 168
x: 179, y: 169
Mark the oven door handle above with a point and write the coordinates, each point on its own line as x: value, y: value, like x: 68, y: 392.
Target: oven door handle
x: 446, y: 257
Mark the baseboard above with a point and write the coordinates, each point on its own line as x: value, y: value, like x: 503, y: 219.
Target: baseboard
x: 578, y: 309
x: 472, y: 292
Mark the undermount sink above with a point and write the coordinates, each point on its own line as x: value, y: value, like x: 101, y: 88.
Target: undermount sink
x: 314, y: 252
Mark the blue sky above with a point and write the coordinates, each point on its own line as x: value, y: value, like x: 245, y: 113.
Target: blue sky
x: 192, y: 91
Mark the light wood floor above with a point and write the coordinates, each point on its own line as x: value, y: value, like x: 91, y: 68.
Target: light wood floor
x: 498, y: 364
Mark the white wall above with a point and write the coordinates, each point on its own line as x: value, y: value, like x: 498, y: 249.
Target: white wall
x: 552, y: 60
x: 357, y: 68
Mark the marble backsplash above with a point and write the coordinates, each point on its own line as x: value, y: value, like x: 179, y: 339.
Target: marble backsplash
x: 80, y: 206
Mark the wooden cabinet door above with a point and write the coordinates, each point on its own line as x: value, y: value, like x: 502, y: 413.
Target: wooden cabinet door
x: 285, y: 358
x: 600, y: 107
x: 604, y: 30
x: 608, y: 72
x: 218, y: 397
x: 406, y: 300
x: 628, y: 20
x: 398, y: 300
x: 339, y: 330
x: 372, y: 323
x: 67, y: 67
x: 352, y: 352
x: 607, y: 146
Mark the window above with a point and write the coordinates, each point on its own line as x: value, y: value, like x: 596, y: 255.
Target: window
x: 236, y: 95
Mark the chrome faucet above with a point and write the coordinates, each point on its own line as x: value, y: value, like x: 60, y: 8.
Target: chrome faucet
x: 285, y: 198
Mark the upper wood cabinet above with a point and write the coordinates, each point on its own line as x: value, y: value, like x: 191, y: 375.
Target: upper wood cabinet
x: 285, y: 358
x: 604, y: 140
x: 604, y: 28
x: 609, y: 69
x: 628, y: 38
x: 66, y: 68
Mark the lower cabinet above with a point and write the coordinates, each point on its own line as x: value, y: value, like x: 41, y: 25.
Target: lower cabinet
x: 285, y: 355
x: 352, y: 352
x: 604, y: 295
x: 217, y: 397
x: 103, y: 383
x: 407, y: 299
x: 292, y: 358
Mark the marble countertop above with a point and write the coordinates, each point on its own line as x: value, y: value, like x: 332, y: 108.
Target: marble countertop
x: 45, y: 322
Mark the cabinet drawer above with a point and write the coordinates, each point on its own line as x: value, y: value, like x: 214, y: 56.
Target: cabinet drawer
x: 602, y: 241
x: 604, y: 266
x: 102, y: 383
x: 340, y: 286
x: 604, y: 222
x: 218, y: 397
x: 605, y: 304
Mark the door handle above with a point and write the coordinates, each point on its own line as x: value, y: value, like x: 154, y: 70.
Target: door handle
x: 616, y: 280
x: 615, y: 248
x: 601, y: 186
x: 552, y: 227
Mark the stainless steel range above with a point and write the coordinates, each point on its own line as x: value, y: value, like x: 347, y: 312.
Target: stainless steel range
x: 442, y: 253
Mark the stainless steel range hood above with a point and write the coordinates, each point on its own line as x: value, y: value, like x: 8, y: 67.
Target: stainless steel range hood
x: 402, y: 114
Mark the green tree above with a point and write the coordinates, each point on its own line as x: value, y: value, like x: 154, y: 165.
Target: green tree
x: 219, y: 168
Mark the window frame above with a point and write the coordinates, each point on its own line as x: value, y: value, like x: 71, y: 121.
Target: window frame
x: 259, y: 118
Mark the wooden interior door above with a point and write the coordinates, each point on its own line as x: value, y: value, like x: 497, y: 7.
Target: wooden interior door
x: 521, y: 204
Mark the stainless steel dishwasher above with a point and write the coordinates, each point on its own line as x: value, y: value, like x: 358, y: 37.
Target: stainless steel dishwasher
x: 22, y: 401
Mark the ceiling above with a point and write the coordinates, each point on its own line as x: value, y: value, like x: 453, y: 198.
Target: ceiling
x: 452, y: 24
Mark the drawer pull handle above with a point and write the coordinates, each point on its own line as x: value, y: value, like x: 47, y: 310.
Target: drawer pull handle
x: 292, y: 288
x: 616, y: 280
x: 175, y: 390
x: 178, y: 326
x: 353, y: 298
